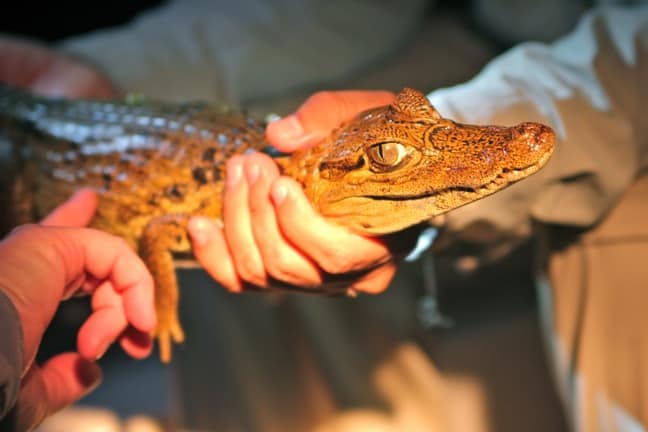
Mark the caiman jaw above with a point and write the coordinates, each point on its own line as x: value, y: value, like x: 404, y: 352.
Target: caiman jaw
x: 498, y: 182
x: 378, y: 215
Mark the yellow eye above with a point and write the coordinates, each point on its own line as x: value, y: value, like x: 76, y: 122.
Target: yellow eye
x: 388, y: 154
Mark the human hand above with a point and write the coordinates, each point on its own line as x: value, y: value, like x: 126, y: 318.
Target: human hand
x: 32, y: 66
x: 41, y: 265
x: 272, y: 236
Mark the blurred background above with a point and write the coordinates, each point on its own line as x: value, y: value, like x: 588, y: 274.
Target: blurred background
x: 294, y: 362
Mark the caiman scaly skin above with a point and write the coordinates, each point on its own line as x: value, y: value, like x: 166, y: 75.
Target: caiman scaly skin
x: 154, y: 165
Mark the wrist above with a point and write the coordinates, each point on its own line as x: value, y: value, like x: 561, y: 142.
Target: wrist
x: 19, y: 283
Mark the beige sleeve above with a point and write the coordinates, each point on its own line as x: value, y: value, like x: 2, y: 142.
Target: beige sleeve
x: 246, y: 50
x: 591, y: 87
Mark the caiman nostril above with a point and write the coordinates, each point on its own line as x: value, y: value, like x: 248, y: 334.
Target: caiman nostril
x: 530, y: 143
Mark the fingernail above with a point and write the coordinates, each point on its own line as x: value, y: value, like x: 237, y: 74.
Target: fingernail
x: 89, y: 374
x: 197, y: 230
x: 252, y: 173
x: 289, y: 128
x: 102, y: 352
x: 234, y: 174
x: 279, y: 194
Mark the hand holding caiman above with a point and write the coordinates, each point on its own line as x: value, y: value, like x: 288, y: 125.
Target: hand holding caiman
x: 155, y: 165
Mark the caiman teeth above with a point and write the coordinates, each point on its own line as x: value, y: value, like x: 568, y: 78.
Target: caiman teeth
x: 505, y: 178
x: 501, y: 180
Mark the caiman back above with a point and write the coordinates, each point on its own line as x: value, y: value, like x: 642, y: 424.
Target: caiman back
x: 144, y: 159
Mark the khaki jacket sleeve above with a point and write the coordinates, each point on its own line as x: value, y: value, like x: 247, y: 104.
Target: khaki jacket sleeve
x: 247, y: 50
x: 591, y: 87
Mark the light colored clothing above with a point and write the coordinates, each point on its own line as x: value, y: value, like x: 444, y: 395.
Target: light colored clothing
x: 591, y: 87
x: 246, y: 50
x: 593, y: 297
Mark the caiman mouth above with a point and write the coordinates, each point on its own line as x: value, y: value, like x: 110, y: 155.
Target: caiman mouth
x: 504, y: 178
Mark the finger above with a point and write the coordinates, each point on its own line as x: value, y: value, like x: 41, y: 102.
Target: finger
x: 75, y: 212
x: 104, y: 325
x: 110, y: 258
x: 62, y: 380
x: 135, y: 343
x: 377, y: 280
x: 237, y: 229
x: 334, y: 248
x: 281, y: 260
x: 73, y: 259
x: 321, y: 113
x: 123, y: 298
x: 137, y: 294
x: 67, y: 378
x: 211, y: 252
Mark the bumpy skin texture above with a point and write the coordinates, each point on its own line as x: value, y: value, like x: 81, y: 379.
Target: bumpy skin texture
x: 395, y: 166
x: 156, y: 165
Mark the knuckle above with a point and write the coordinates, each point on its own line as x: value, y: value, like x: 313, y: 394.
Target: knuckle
x: 25, y: 229
x: 34, y: 234
x: 339, y: 262
x: 256, y: 204
x: 282, y: 267
x: 251, y: 272
x: 286, y: 266
x: 279, y: 266
x: 235, y: 159
x: 122, y: 244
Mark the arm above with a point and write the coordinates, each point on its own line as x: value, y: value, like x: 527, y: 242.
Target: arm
x: 550, y: 84
x: 589, y: 86
x: 42, y: 265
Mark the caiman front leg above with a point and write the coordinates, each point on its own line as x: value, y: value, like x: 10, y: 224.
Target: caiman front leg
x: 162, y: 236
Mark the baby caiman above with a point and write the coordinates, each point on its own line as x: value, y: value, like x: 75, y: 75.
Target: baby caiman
x: 154, y: 165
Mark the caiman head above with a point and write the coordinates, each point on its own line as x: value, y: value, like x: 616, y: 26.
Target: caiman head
x: 395, y: 166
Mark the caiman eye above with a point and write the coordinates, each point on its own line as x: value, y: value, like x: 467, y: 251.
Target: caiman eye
x: 387, y: 154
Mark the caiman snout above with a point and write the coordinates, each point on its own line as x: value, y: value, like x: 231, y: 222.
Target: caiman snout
x: 532, y: 144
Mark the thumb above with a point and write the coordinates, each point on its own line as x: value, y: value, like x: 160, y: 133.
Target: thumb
x: 321, y: 113
x: 59, y: 382
x: 67, y: 378
x: 75, y: 212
